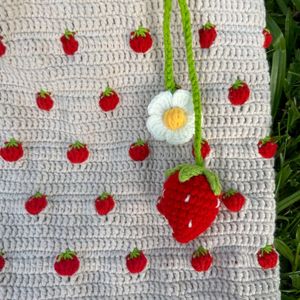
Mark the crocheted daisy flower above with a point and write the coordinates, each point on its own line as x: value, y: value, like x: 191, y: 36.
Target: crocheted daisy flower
x: 171, y: 117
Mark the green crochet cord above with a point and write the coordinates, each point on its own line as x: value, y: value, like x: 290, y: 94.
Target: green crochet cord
x: 170, y: 83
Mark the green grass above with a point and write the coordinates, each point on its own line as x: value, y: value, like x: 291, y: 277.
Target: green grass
x: 283, y: 19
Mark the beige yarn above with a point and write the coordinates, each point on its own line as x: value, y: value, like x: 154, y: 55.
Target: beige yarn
x: 35, y: 59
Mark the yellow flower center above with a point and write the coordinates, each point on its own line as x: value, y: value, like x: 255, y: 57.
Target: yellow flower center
x: 175, y: 118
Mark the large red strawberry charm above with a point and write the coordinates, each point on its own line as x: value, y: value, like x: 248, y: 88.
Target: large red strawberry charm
x: 140, y: 40
x: 205, y: 149
x: 77, y: 153
x: 36, y: 203
x: 207, y: 35
x: 2, y: 260
x: 267, y: 147
x: 12, y: 150
x: 268, y: 38
x: 67, y: 263
x: 44, y: 100
x: 109, y: 99
x: 2, y: 46
x: 201, y: 260
x: 139, y: 150
x: 190, y: 201
x: 136, y: 261
x: 233, y: 200
x: 69, y: 43
x: 104, y: 204
x: 239, y: 93
x: 267, y: 257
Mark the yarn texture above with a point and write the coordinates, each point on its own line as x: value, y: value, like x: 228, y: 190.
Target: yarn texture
x: 75, y: 150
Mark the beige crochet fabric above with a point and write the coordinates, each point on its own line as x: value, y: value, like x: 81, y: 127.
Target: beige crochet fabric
x: 35, y: 59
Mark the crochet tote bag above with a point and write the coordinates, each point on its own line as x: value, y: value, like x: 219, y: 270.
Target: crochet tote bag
x: 97, y: 100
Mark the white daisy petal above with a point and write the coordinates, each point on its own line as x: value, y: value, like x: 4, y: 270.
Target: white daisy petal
x: 191, y: 122
x: 189, y: 107
x: 182, y: 98
x: 156, y: 110
x: 156, y: 127
x: 160, y: 103
x: 180, y: 136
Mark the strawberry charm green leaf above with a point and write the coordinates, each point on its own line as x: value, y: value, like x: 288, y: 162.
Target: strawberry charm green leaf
x: 237, y: 84
x: 11, y: 143
x: 141, y: 31
x: 69, y: 33
x: 68, y: 254
x: 134, y: 253
x: 200, y: 252
x: 208, y: 26
x: 77, y: 145
x: 104, y: 196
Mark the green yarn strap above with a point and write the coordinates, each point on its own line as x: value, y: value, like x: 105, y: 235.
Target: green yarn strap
x: 170, y: 83
x: 169, y: 76
x: 187, y: 31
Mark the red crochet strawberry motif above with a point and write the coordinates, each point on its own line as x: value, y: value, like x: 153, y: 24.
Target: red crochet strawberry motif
x: 104, y: 204
x: 69, y: 43
x: 201, y: 260
x: 268, y: 38
x: 36, y: 203
x: 44, y: 100
x: 77, y: 153
x: 239, y: 93
x: 207, y: 35
x: 267, y: 257
x: 12, y: 150
x: 190, y: 201
x: 139, y: 150
x: 136, y: 261
x: 2, y: 260
x: 2, y: 46
x: 109, y: 99
x: 267, y: 147
x: 233, y: 200
x: 140, y: 40
x: 67, y: 263
x: 205, y: 149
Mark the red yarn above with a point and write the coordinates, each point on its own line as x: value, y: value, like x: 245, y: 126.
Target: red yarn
x: 268, y: 38
x: 2, y: 262
x: 234, y: 202
x: 190, y: 202
x: 238, y: 95
x: 205, y: 149
x: 207, y: 36
x: 267, y: 149
x: 140, y: 44
x: 202, y: 263
x: 44, y: 102
x: 2, y: 47
x: 13, y: 153
x: 35, y: 204
x: 67, y: 267
x: 104, y: 204
x: 136, y: 264
x: 139, y: 150
x: 109, y: 102
x: 267, y: 260
x: 78, y: 155
x: 69, y: 43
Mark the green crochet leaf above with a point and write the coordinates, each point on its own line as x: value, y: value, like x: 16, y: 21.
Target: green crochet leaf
x: 189, y: 171
x: 214, y: 181
x: 134, y: 253
x: 169, y: 172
